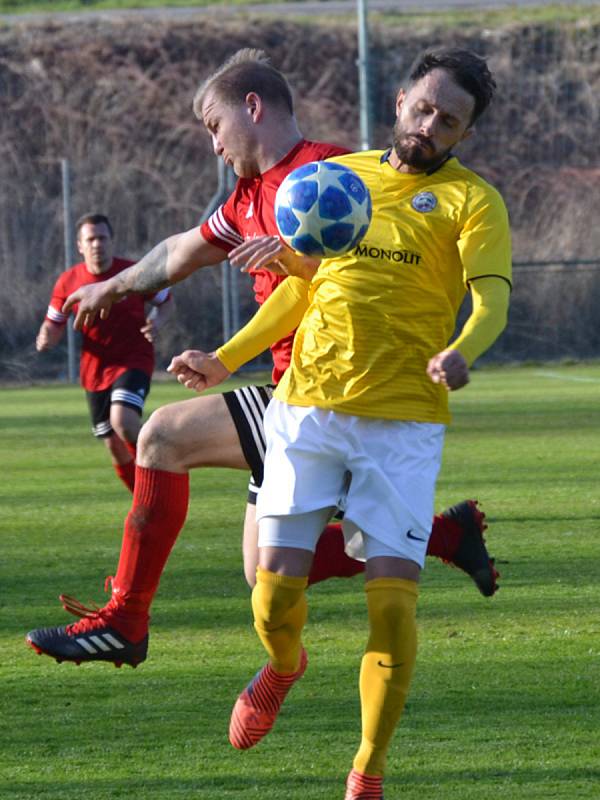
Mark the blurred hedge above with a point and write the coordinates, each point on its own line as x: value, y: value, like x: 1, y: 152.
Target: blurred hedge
x: 114, y: 98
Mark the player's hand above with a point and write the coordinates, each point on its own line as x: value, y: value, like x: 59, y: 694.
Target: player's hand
x: 149, y: 330
x: 93, y: 299
x: 262, y: 252
x: 197, y: 370
x: 152, y: 326
x: 269, y: 252
x: 42, y: 340
x: 450, y: 369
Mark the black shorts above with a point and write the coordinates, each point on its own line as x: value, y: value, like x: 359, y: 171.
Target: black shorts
x: 247, y: 407
x: 130, y: 389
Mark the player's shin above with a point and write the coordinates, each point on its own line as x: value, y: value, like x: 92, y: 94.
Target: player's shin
x: 279, y: 607
x: 280, y: 610
x: 386, y: 668
x: 156, y: 517
x: 131, y: 448
x: 126, y: 473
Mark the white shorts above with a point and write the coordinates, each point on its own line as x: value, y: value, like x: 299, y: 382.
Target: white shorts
x: 380, y: 473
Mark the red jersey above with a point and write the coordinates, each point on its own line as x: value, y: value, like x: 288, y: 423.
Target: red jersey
x: 249, y: 212
x: 111, y: 346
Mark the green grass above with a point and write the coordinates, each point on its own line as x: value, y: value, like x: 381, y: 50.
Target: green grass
x: 506, y: 697
x: 42, y: 6
x: 490, y: 18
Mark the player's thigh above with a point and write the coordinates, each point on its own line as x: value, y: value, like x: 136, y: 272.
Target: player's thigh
x: 193, y: 433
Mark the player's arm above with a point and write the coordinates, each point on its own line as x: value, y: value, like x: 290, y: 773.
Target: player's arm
x: 485, y: 251
x: 169, y: 262
x: 49, y: 335
x: 490, y: 297
x: 278, y: 315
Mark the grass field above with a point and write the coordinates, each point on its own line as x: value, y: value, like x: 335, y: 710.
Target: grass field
x: 506, y: 697
x: 459, y: 17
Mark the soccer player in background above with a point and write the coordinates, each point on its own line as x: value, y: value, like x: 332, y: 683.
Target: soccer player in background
x: 366, y: 394
x: 117, y: 354
x: 246, y: 106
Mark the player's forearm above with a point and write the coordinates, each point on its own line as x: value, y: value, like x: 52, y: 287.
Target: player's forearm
x: 169, y: 262
x: 278, y: 316
x: 150, y: 274
x: 488, y: 319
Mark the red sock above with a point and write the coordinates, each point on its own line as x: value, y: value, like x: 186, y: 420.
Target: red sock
x: 160, y: 502
x: 126, y: 472
x: 445, y: 538
x: 330, y: 560
x: 131, y: 446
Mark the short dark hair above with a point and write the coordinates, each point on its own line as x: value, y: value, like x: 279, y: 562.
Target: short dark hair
x: 468, y: 70
x: 93, y: 219
x: 247, y: 70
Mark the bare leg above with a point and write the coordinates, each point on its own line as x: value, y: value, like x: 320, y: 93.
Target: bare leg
x: 125, y: 422
x: 192, y: 433
x: 250, y: 545
x: 119, y: 453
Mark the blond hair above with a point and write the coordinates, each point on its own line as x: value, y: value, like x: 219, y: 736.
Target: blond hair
x: 247, y: 70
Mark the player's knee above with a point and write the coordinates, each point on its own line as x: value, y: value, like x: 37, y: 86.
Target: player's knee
x: 128, y: 432
x: 125, y: 422
x: 157, y: 446
x: 271, y: 603
x: 151, y: 436
x: 391, y: 609
x: 117, y: 449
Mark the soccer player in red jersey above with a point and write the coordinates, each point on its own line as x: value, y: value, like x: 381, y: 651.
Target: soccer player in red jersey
x: 117, y: 355
x: 246, y: 106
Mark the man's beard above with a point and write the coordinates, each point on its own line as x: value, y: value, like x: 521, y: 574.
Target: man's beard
x: 413, y: 151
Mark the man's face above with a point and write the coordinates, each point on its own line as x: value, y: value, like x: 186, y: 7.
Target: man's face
x: 95, y: 244
x: 431, y: 118
x: 233, y: 133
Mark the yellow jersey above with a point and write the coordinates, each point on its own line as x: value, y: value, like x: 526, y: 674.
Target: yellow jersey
x: 378, y: 314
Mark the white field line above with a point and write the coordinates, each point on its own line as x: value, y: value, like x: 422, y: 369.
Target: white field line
x: 575, y: 378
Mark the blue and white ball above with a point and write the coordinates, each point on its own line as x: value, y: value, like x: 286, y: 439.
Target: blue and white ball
x: 322, y: 209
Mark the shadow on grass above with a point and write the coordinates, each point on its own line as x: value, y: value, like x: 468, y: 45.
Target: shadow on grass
x: 202, y: 598
x: 206, y: 786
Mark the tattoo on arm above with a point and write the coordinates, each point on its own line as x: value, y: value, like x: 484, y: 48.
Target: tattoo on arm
x: 148, y: 275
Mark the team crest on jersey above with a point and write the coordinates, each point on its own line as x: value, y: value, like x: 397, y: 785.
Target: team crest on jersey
x: 424, y: 202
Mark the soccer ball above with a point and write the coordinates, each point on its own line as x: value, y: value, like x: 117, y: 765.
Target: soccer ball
x: 322, y: 209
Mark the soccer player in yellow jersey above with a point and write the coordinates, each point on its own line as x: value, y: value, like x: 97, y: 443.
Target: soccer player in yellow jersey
x: 358, y: 419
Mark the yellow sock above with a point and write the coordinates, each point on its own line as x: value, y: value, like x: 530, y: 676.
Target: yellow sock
x: 280, y: 610
x: 386, y: 667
